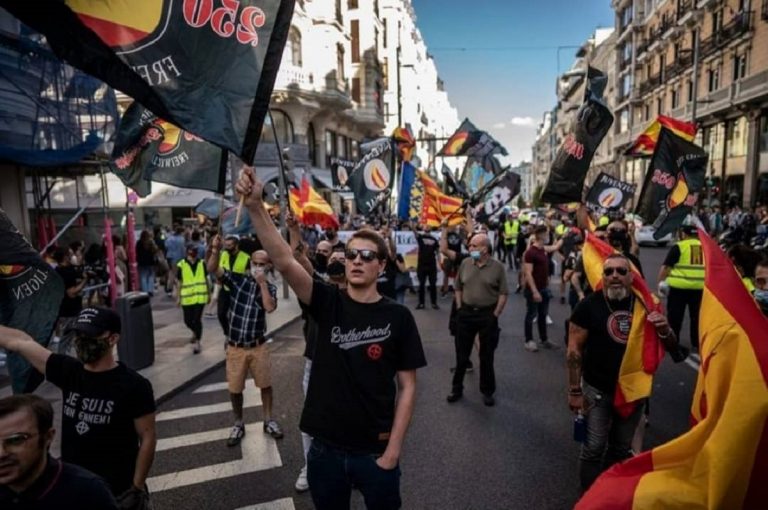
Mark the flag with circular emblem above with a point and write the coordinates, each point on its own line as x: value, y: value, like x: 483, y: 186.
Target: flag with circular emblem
x: 371, y: 179
x: 207, y: 66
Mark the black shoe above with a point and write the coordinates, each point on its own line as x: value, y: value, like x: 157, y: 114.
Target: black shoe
x: 453, y: 397
x: 420, y: 306
x: 470, y: 368
x: 435, y: 307
x: 518, y: 289
x: 562, y: 300
x: 236, y: 435
x: 489, y: 400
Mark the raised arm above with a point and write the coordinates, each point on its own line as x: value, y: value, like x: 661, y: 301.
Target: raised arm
x: 444, y: 242
x: 299, y: 249
x: 18, y: 341
x: 251, y: 188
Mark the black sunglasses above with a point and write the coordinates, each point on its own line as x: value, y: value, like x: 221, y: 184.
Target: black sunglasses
x: 608, y: 271
x: 367, y: 255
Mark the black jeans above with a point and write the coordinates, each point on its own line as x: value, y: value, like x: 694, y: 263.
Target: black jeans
x: 537, y: 310
x: 333, y: 472
x: 677, y: 300
x: 423, y: 275
x: 469, y: 323
x: 222, y: 310
x: 193, y: 319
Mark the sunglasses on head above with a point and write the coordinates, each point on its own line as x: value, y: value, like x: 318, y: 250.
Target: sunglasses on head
x: 367, y: 255
x: 608, y: 271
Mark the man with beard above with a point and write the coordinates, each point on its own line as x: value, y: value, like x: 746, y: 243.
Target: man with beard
x: 597, y: 339
x: 362, y: 388
x: 108, y: 419
x: 29, y: 476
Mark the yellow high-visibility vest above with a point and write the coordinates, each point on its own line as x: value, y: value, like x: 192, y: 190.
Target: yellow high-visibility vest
x: 194, y: 289
x: 688, y: 273
x: 560, y: 230
x: 240, y: 266
x: 511, y: 231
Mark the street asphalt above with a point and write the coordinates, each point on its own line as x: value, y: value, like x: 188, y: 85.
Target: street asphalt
x: 518, y: 454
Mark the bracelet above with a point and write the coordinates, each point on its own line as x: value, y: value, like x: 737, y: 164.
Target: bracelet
x: 664, y: 337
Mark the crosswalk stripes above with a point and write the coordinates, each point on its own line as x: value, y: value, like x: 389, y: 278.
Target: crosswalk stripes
x: 259, y: 451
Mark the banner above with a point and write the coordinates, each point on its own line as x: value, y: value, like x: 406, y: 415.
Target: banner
x: 646, y: 142
x: 406, y: 185
x: 609, y: 193
x: 30, y: 295
x: 148, y: 148
x: 454, y: 187
x: 436, y: 206
x: 340, y: 170
x: 500, y: 195
x: 310, y: 208
x: 207, y: 66
x: 565, y: 183
x: 371, y: 180
x: 671, y: 188
x: 470, y: 141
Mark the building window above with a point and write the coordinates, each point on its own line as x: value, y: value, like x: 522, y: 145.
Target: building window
x: 283, y: 127
x: 376, y: 8
x: 662, y: 66
x: 739, y: 66
x: 330, y: 143
x: 384, y: 40
x: 355, y: 33
x: 713, y: 79
x: 736, y: 134
x: 356, y: 90
x: 351, y: 4
x: 675, y: 97
x: 646, y: 111
x: 341, y: 146
x: 376, y: 43
x: 294, y: 46
x: 764, y: 133
x: 340, y: 63
x: 624, y: 120
x: 690, y: 91
x: 385, y: 72
x: 378, y: 97
x: 660, y: 105
x: 311, y: 142
x: 676, y: 52
x: 717, y: 21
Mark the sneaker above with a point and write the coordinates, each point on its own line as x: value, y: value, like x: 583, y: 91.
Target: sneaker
x: 236, y: 434
x: 435, y: 307
x: 453, y: 397
x: 549, y: 320
x: 196, y: 348
x: 546, y: 344
x: 531, y: 346
x: 273, y: 429
x: 302, y: 485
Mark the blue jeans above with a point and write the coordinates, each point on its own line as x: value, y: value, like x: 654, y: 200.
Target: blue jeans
x: 400, y: 295
x: 538, y: 311
x: 332, y: 473
x: 147, y: 279
x: 609, y: 436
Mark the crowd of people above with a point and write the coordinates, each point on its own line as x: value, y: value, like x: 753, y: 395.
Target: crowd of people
x: 363, y: 346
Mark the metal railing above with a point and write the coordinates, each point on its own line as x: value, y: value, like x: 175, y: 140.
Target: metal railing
x: 650, y: 84
x: 740, y: 24
x: 683, y: 62
x: 684, y: 7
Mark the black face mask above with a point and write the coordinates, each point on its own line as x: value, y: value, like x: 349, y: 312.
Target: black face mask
x: 618, y: 239
x: 335, y: 268
x: 232, y: 252
x: 90, y: 350
x: 321, y: 262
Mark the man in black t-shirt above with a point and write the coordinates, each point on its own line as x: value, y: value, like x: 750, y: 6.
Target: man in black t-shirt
x: 426, y: 267
x: 597, y: 339
x: 108, y: 419
x: 362, y: 387
x: 29, y: 477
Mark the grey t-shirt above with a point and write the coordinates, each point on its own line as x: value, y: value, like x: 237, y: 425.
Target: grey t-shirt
x: 481, y: 286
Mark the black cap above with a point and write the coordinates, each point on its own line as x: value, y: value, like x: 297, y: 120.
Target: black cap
x: 95, y: 322
x: 690, y: 230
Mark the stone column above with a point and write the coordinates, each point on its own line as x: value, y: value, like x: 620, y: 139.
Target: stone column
x: 751, y: 169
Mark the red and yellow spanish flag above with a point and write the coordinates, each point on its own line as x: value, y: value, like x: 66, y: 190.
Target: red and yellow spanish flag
x: 437, y: 206
x: 644, y: 349
x: 310, y: 208
x: 722, y: 462
x: 646, y: 142
x: 405, y: 142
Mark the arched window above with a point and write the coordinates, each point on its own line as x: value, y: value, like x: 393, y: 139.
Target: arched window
x: 293, y: 46
x: 283, y: 126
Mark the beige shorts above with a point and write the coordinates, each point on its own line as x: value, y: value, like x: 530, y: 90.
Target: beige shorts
x: 242, y: 360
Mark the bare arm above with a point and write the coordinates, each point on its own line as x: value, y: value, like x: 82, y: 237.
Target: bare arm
x: 18, y: 341
x: 77, y: 289
x: 444, y: 244
x: 145, y: 429
x: 279, y: 252
x: 406, y: 397
x: 575, y: 280
x: 266, y: 298
x: 554, y: 247
x: 213, y: 260
x: 577, y: 338
x: 299, y: 251
x: 528, y: 277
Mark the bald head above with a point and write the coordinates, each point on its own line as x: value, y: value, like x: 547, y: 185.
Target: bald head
x: 324, y: 248
x: 480, y: 243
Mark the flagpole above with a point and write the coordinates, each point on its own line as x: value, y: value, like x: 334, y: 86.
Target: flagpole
x: 283, y: 190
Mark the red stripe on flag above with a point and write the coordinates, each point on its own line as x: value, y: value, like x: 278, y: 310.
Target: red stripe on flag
x: 687, y: 128
x: 615, y: 489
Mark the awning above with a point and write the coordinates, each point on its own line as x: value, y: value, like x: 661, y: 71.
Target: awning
x: 322, y: 177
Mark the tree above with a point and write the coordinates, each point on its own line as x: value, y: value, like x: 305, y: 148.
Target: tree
x: 536, y: 200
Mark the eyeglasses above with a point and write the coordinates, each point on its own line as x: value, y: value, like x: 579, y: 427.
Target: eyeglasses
x: 367, y: 255
x: 16, y: 441
x: 608, y: 271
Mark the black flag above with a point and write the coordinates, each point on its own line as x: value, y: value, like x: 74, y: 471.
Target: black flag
x: 148, y: 148
x: 472, y: 142
x: 609, y: 193
x: 30, y: 295
x: 671, y: 188
x: 501, y: 193
x: 208, y: 70
x: 593, y: 120
x: 371, y: 179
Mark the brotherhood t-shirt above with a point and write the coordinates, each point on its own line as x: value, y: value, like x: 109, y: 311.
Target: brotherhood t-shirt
x: 608, y: 332
x: 98, y: 409
x: 359, y: 349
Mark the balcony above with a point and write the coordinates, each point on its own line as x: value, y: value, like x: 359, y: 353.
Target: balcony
x: 740, y: 24
x: 649, y: 84
x: 642, y: 47
x: 291, y: 77
x: 764, y: 10
x: 684, y: 7
x: 683, y: 63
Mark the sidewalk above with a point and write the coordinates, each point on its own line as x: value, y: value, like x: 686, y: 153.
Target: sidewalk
x: 175, y: 366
